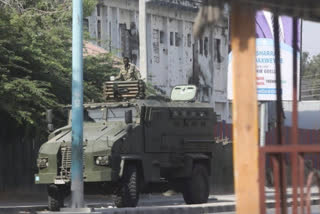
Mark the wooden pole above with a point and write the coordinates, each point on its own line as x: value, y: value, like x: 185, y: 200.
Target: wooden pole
x: 245, y: 109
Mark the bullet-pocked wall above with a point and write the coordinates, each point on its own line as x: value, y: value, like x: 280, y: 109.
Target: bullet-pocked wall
x: 174, y: 56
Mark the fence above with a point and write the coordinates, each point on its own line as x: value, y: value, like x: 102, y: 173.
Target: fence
x: 306, y: 136
x: 223, y: 133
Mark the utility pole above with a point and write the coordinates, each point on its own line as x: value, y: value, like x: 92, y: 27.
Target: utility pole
x: 143, y: 39
x: 77, y: 107
x: 245, y: 109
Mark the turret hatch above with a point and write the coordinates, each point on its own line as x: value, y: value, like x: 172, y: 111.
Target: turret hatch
x: 184, y: 93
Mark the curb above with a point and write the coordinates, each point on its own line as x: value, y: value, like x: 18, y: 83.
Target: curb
x: 22, y: 209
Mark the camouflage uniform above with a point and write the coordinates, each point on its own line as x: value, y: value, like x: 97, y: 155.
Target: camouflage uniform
x: 128, y: 74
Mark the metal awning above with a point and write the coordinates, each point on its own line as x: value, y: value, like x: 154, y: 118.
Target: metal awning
x: 306, y: 9
x: 212, y: 10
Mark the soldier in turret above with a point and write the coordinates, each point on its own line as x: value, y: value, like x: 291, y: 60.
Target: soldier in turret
x: 129, y: 72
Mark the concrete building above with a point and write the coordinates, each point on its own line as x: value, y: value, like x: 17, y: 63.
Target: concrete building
x: 173, y: 55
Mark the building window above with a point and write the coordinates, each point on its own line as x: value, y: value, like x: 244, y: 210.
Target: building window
x: 99, y: 32
x: 201, y: 46
x: 155, y: 44
x: 110, y: 36
x: 171, y: 38
x: 217, y: 50
x: 162, y: 38
x: 85, y: 24
x: 98, y: 10
x: 189, y: 40
x: 206, y: 46
x: 177, y: 38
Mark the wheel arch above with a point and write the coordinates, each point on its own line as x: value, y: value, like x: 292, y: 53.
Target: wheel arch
x: 200, y: 158
x: 131, y: 159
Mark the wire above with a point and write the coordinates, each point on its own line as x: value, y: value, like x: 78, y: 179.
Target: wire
x: 313, y: 95
x: 313, y: 89
x: 310, y: 75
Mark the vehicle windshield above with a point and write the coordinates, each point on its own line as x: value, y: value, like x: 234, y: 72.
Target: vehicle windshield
x: 111, y: 114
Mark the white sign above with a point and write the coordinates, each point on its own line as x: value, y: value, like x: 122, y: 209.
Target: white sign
x: 265, y: 60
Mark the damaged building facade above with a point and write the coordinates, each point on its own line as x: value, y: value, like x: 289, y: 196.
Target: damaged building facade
x: 174, y: 56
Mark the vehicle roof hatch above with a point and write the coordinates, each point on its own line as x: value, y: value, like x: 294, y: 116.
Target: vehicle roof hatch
x: 184, y: 93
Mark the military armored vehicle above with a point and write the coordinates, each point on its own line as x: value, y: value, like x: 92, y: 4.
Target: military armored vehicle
x: 133, y: 144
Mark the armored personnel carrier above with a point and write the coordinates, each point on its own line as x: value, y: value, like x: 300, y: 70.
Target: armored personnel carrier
x: 133, y: 144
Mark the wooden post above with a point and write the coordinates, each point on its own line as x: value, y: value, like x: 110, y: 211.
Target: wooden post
x: 245, y: 109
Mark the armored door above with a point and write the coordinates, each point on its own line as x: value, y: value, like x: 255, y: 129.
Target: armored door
x: 155, y: 128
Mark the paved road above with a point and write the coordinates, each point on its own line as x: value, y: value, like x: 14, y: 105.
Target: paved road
x: 147, y: 203
x: 174, y: 204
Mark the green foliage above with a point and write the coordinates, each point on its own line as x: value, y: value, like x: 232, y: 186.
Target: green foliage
x: 310, y: 76
x: 35, y: 60
x: 89, y: 6
x: 304, y: 62
x: 98, y: 69
x: 150, y: 90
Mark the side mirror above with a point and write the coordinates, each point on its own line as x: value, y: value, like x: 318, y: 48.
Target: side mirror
x: 129, y: 128
x: 49, y: 117
x: 128, y: 116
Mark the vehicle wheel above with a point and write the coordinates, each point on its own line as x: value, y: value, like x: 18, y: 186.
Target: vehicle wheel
x: 127, y: 195
x: 55, y: 198
x: 196, y: 190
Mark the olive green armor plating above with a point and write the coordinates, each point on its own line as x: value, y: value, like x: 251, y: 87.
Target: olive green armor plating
x: 135, y: 145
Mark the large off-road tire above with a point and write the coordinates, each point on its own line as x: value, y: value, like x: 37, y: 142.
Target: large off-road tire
x: 196, y: 188
x: 55, y: 198
x: 127, y: 195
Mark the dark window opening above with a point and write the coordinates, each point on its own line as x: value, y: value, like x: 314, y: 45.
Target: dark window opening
x: 201, y: 46
x: 155, y: 44
x: 85, y: 24
x: 171, y: 38
x: 110, y: 30
x: 206, y: 46
x: 99, y: 32
x: 162, y: 37
x: 177, y: 38
x: 189, y: 40
x: 217, y: 50
x: 98, y: 10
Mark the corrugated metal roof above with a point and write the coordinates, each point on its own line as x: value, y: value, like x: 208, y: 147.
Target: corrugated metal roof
x: 91, y: 49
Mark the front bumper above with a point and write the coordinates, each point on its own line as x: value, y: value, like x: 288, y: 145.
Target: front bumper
x: 102, y: 175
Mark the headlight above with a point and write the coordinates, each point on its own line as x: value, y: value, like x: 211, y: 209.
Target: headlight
x: 101, y: 160
x: 42, y: 163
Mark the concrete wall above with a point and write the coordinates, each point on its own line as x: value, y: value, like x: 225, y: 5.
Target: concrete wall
x: 308, y: 114
x: 174, y: 56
